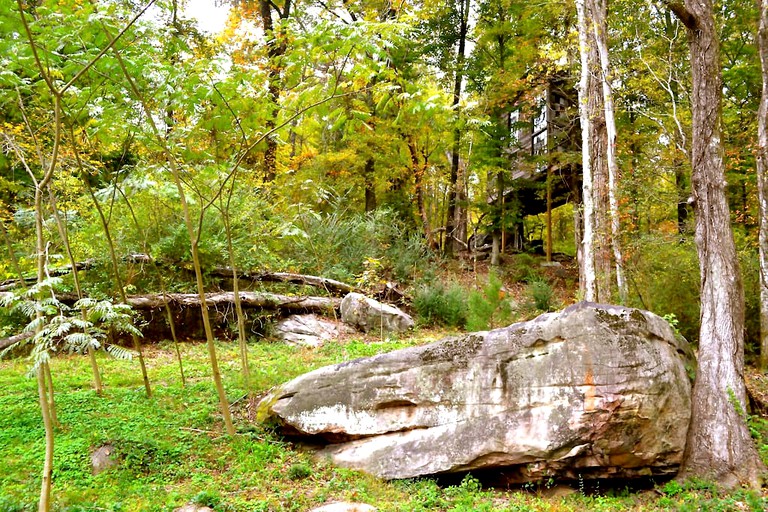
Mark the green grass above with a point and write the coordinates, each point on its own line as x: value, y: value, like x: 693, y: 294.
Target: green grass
x: 174, y: 451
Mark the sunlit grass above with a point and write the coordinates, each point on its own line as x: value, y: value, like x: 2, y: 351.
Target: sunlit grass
x: 174, y: 449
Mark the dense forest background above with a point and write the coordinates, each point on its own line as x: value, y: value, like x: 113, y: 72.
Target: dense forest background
x: 457, y: 156
x: 353, y: 134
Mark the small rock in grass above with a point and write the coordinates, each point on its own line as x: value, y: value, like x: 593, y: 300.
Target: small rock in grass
x: 103, y: 458
x: 345, y: 506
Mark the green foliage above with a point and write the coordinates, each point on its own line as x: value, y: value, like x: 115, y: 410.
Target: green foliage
x: 541, y: 294
x: 665, y: 279
x: 522, y: 269
x: 58, y: 327
x: 299, y: 471
x: 338, y: 245
x: 438, y: 304
x: 489, y: 307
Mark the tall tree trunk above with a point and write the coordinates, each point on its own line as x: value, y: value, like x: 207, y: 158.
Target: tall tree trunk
x: 719, y: 445
x: 419, y: 170
x: 275, y: 50
x: 64, y: 234
x: 601, y: 39
x: 193, y: 236
x: 119, y: 283
x: 762, y: 184
x: 596, y: 271
x: 587, y: 278
x: 454, y: 185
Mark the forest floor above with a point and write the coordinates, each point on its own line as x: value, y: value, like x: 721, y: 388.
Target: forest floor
x: 173, y: 450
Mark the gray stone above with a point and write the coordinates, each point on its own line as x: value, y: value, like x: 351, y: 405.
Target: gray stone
x: 345, y: 506
x: 367, y: 314
x: 309, y: 330
x: 103, y: 458
x: 591, y: 391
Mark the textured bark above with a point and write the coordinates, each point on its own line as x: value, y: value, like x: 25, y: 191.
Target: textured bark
x: 596, y: 272
x: 454, y: 186
x: 249, y: 299
x: 719, y: 445
x: 762, y: 184
x: 587, y: 281
x: 601, y: 40
x: 275, y: 50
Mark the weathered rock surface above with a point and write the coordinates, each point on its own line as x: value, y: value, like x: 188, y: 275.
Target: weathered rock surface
x: 103, y: 458
x: 368, y: 314
x: 309, y: 330
x: 591, y: 391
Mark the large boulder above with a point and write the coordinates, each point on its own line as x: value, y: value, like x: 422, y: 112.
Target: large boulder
x: 593, y: 391
x: 368, y: 314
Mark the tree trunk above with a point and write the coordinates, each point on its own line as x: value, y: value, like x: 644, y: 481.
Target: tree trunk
x: 275, y: 50
x: 45, y: 486
x: 587, y: 278
x: 762, y: 185
x: 419, y: 170
x: 453, y: 186
x: 597, y: 251
x: 601, y: 37
x: 719, y: 445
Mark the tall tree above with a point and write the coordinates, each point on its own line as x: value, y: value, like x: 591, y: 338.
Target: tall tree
x: 719, y: 445
x: 276, y: 47
x: 455, y: 195
x: 601, y: 41
x: 762, y: 184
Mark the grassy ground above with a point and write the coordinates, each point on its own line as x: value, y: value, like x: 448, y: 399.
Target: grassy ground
x: 173, y: 450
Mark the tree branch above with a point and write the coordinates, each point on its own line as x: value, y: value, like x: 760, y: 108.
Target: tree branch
x: 685, y: 16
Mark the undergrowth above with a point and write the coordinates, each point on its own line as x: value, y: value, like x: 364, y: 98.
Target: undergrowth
x: 172, y: 448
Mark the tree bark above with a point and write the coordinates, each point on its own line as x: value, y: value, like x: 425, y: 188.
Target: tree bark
x: 454, y: 186
x: 762, y: 184
x: 719, y: 445
x: 275, y: 50
x: 587, y: 279
x: 601, y: 40
x: 250, y: 299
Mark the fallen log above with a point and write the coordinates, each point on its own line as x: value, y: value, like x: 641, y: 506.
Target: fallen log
x: 7, y: 342
x: 329, y: 285
x: 249, y: 299
x: 10, y: 284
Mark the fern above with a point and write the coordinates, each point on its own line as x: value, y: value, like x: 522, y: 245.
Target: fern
x: 119, y: 352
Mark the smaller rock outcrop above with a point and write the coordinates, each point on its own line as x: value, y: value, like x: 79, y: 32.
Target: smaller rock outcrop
x: 309, y: 330
x: 367, y: 315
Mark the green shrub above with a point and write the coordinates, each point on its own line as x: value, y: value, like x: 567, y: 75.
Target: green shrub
x: 437, y: 305
x: 337, y: 244
x: 522, y: 269
x: 664, y: 278
x: 489, y: 307
x: 299, y: 471
x: 541, y: 295
x: 207, y: 499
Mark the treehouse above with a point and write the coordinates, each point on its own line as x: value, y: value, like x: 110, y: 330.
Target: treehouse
x: 544, y: 155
